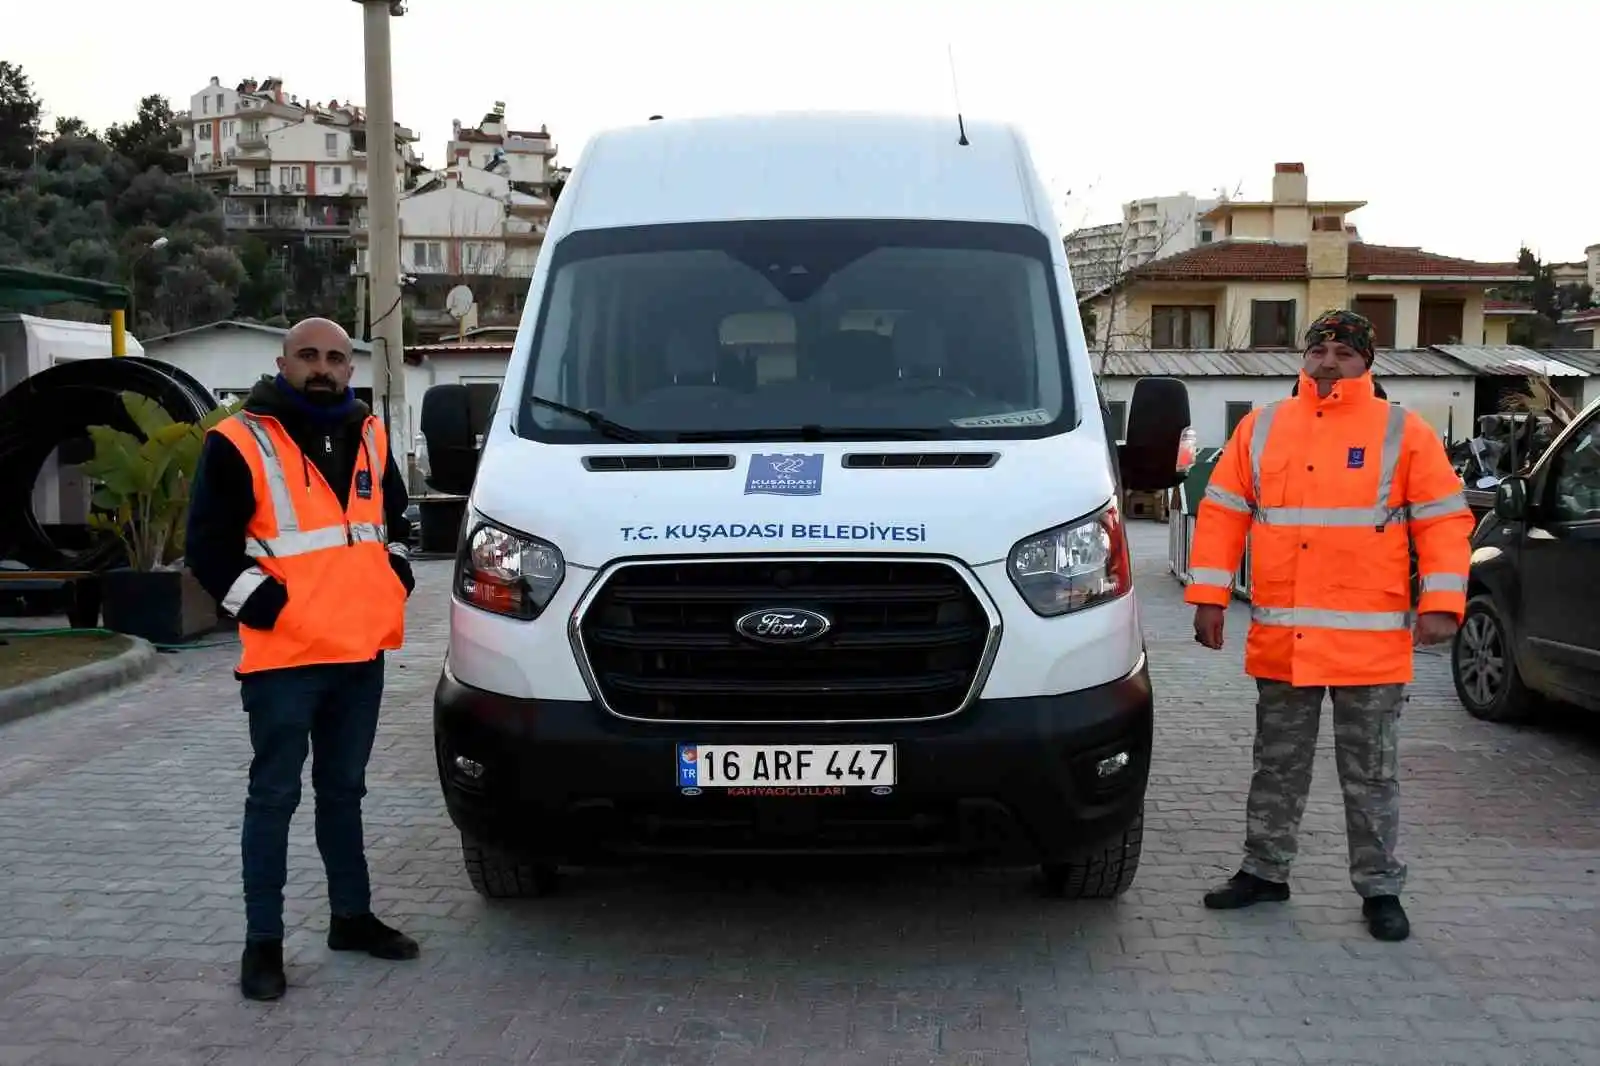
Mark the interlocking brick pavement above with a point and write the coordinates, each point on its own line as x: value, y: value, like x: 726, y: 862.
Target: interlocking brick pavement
x: 120, y: 916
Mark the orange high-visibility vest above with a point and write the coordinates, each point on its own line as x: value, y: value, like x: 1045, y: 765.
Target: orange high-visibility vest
x: 345, y: 601
x: 1332, y: 492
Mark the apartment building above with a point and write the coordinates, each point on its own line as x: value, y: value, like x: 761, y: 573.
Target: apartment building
x: 1271, y: 265
x: 479, y: 221
x: 1150, y: 228
x: 282, y: 166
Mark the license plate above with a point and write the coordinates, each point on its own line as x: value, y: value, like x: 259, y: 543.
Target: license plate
x: 831, y: 766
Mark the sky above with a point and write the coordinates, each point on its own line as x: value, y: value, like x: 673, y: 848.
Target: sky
x: 1447, y: 116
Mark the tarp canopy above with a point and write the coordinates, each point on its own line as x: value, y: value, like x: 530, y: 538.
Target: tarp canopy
x: 22, y: 290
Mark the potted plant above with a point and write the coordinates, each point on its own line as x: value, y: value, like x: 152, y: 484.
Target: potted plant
x: 141, y: 496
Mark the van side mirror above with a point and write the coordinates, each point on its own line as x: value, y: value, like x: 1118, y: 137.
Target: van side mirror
x: 1158, y: 413
x: 1511, y: 499
x: 452, y: 445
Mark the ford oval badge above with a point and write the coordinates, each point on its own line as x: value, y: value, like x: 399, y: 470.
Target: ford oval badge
x: 783, y: 625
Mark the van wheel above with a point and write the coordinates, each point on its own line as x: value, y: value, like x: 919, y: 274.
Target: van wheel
x: 1484, y: 669
x: 1103, y: 872
x: 497, y: 872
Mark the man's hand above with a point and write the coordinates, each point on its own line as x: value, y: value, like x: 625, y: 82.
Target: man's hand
x: 1208, y: 619
x: 1435, y: 627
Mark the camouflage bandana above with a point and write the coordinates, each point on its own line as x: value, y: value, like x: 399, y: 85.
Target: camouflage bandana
x: 1346, y: 327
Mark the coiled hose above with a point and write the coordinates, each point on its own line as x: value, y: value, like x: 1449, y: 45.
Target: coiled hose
x: 55, y: 408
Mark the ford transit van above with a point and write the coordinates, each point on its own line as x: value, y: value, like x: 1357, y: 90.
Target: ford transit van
x: 796, y: 526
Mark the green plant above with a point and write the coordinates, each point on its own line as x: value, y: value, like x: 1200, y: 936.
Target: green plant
x: 141, y: 491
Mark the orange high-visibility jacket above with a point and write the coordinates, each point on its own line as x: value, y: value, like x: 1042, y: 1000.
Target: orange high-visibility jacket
x: 1332, y: 492
x: 345, y: 601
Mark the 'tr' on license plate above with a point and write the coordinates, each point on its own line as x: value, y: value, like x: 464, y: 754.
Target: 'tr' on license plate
x: 705, y: 766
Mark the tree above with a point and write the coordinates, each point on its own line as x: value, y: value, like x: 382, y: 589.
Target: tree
x: 1550, y: 302
x: 19, y: 118
x: 72, y: 126
x: 151, y: 139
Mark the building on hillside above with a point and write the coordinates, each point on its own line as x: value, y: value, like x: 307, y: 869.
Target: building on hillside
x: 523, y: 157
x: 1585, y: 271
x: 1583, y: 327
x: 1276, y: 264
x: 1150, y: 228
x: 480, y: 222
x: 286, y: 168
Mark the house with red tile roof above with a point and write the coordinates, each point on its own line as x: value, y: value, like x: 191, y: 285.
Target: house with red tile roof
x: 1274, y: 265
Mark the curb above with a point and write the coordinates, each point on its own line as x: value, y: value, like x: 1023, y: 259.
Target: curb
x: 90, y: 679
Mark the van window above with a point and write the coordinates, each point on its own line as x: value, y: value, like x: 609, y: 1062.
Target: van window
x: 945, y: 329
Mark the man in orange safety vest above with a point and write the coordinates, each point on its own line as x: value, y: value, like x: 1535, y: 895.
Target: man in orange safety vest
x: 1332, y: 486
x: 297, y: 526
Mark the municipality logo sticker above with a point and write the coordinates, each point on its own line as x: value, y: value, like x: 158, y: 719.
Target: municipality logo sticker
x: 784, y: 475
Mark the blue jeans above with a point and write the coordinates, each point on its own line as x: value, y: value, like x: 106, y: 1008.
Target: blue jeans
x: 330, y: 711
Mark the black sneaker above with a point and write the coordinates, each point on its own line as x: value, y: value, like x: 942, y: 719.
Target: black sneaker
x: 1386, y: 919
x: 261, y: 970
x: 1242, y: 890
x: 363, y: 932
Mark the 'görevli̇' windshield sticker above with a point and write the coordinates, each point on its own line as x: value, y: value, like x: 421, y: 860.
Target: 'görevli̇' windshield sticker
x: 1035, y: 417
x: 784, y: 475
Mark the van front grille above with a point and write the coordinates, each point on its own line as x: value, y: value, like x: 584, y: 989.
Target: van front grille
x: 908, y: 640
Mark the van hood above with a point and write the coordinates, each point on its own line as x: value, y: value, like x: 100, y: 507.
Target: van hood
x: 789, y: 497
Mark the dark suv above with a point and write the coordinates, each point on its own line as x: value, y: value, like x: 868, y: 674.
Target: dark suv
x: 1532, y: 629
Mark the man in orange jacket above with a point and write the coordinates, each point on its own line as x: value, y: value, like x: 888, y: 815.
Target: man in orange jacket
x: 1332, y: 486
x: 297, y: 526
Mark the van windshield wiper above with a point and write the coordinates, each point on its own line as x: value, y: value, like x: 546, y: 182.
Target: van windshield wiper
x: 601, y: 424
x: 810, y: 432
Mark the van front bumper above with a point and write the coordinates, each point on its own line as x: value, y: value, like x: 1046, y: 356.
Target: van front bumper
x: 1004, y: 782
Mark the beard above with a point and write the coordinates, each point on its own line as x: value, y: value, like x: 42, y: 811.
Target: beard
x: 322, y: 391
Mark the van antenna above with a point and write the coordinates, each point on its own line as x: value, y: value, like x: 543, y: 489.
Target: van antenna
x: 955, y: 90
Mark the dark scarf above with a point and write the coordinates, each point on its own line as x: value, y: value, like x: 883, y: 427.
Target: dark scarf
x: 335, y: 411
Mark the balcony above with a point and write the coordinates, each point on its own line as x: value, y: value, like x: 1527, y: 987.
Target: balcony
x: 252, y: 140
x: 518, y: 231
x: 293, y: 221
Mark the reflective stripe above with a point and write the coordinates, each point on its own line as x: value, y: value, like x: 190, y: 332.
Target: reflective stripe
x: 399, y: 548
x: 1454, y: 503
x: 1320, y: 618
x: 1205, y: 575
x: 243, y: 586
x: 1348, y: 517
x: 287, y: 545
x: 1258, y: 445
x: 1443, y: 583
x: 1231, y: 500
x: 1393, y: 436
x: 277, y: 484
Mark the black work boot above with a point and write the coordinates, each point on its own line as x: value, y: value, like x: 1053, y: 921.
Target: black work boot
x: 1386, y: 919
x: 261, y: 970
x: 363, y: 932
x: 1243, y: 889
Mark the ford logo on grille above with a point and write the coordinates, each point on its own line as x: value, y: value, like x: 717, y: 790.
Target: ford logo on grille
x: 783, y: 625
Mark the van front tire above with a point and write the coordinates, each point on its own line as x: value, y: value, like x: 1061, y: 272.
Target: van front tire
x: 497, y: 872
x: 1102, y: 872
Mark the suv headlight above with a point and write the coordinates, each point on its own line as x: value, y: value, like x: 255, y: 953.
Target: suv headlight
x: 507, y: 573
x: 1073, y: 566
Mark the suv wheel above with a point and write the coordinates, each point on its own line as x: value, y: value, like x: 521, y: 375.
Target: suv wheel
x: 1482, y: 666
x: 498, y: 872
x: 1102, y: 872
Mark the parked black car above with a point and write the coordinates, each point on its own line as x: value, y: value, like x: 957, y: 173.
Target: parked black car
x: 1532, y: 628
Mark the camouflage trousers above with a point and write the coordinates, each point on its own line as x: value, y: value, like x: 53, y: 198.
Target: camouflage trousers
x: 1367, y: 752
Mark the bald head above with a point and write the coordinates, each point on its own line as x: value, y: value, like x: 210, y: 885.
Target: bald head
x: 316, y: 359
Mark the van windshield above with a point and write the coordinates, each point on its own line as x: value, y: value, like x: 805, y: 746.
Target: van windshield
x: 799, y: 330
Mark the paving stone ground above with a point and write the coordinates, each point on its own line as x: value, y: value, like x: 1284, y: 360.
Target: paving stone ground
x: 120, y: 916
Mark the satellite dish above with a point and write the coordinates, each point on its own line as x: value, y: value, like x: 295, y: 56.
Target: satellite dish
x: 459, y: 302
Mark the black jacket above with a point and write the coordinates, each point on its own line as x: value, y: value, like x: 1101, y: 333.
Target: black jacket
x: 222, y: 500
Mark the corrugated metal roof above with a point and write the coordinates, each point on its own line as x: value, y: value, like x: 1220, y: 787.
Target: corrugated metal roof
x: 1510, y: 360
x: 1583, y: 358
x: 1241, y: 364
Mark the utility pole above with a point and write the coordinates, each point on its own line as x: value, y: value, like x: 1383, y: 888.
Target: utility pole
x: 383, y: 205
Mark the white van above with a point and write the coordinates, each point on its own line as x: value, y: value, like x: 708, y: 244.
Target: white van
x: 795, y: 528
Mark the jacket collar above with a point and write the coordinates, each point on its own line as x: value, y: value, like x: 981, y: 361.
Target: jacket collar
x: 1347, y: 392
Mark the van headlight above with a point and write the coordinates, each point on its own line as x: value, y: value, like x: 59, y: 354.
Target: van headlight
x: 1073, y: 566
x: 507, y: 573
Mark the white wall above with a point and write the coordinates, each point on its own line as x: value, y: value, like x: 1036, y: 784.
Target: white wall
x: 434, y: 225
x: 1433, y: 398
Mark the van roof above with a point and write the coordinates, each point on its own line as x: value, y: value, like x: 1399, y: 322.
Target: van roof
x: 804, y: 165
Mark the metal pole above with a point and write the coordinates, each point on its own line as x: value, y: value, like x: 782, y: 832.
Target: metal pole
x: 383, y: 203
